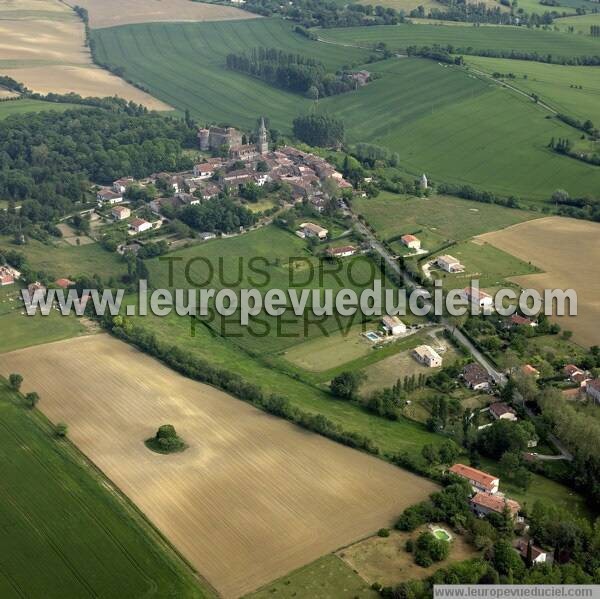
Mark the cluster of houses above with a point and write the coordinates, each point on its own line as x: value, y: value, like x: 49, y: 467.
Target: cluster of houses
x: 8, y: 275
x: 487, y: 499
x: 239, y: 164
x: 585, y: 385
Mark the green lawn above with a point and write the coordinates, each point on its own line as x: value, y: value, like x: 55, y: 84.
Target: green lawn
x: 20, y: 106
x: 441, y: 120
x: 65, y: 534
x: 436, y: 220
x: 327, y: 578
x: 557, y: 85
x: 59, y: 259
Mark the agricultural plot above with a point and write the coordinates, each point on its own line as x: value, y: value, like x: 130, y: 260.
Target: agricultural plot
x: 43, y: 46
x: 568, y: 89
x: 507, y: 38
x: 440, y: 119
x: 20, y: 106
x: 108, y: 13
x: 435, y: 220
x: 567, y: 251
x: 66, y: 531
x: 257, y: 491
x: 579, y: 24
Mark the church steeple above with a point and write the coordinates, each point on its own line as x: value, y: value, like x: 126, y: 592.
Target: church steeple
x: 263, y: 144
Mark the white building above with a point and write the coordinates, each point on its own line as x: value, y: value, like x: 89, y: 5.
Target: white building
x: 108, y: 196
x: 204, y: 170
x: 393, y: 325
x: 120, y: 185
x: 312, y: 230
x: 424, y: 182
x: 140, y: 225
x: 449, y: 263
x: 120, y: 212
x: 478, y: 479
x: 502, y: 411
x: 478, y: 298
x: 410, y: 241
x: 428, y: 356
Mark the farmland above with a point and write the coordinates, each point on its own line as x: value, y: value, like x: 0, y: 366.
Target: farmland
x: 440, y: 120
x: 435, y: 220
x: 566, y: 250
x: 568, y: 89
x: 43, y: 46
x: 108, y: 13
x: 26, y: 105
x: 220, y: 486
x: 66, y: 531
x: 580, y: 24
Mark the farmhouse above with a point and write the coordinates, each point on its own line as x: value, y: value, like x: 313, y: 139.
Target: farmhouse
x: 108, y: 196
x: 187, y: 199
x: 524, y: 547
x: 410, y: 241
x: 8, y: 275
x: 341, y: 252
x: 476, y: 377
x: 518, y: 320
x: 120, y: 185
x: 64, y: 283
x: 139, y: 225
x: 593, y: 390
x: 529, y: 370
x: 120, y: 212
x: 479, y: 480
x: 449, y: 263
x: 428, y: 356
x: 502, y: 411
x: 393, y: 325
x: 571, y: 371
x: 312, y: 230
x: 478, y: 298
x: 483, y: 504
x: 204, y: 170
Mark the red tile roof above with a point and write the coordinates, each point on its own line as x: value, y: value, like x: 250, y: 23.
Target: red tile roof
x: 408, y: 238
x: 481, y: 478
x: 520, y: 320
x: 499, y: 408
x: 522, y: 545
x: 495, y: 503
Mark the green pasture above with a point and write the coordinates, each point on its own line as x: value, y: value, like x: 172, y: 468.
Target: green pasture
x: 579, y: 24
x: 65, y: 533
x: 20, y: 106
x: 556, y: 85
x: 441, y: 120
x: 435, y: 220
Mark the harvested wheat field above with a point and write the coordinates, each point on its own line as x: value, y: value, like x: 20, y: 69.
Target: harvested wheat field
x: 42, y: 44
x: 252, y: 498
x: 568, y: 251
x: 108, y: 13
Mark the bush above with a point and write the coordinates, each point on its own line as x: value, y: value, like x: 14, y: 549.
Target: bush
x: 383, y: 532
x: 166, y: 440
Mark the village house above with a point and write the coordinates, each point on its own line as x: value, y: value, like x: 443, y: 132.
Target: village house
x: 518, y: 320
x: 428, y: 356
x: 37, y: 286
x: 206, y: 235
x: 209, y: 191
x: 593, y: 389
x: 574, y: 373
x: 120, y: 185
x: 483, y: 504
x: 525, y: 547
x: 478, y: 298
x: 392, y: 325
x: 157, y: 206
x: 204, y: 170
x: 476, y: 377
x: 120, y: 212
x: 108, y: 196
x: 187, y: 199
x: 64, y: 283
x: 479, y: 480
x: 529, y: 370
x: 341, y: 252
x: 361, y: 77
x: 8, y: 275
x: 139, y: 225
x: 312, y: 230
x: 449, y: 263
x: 502, y: 411
x: 410, y: 241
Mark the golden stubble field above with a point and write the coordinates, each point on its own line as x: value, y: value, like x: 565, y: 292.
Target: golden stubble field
x: 42, y: 44
x: 568, y: 251
x: 108, y: 13
x: 253, y: 497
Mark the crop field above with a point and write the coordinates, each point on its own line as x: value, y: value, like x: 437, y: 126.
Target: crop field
x: 440, y: 120
x: 580, y: 24
x: 20, y: 106
x: 108, y: 13
x: 437, y: 219
x: 567, y: 250
x: 557, y: 85
x: 478, y: 38
x: 66, y: 531
x: 484, y: 262
x: 251, y: 489
x: 42, y: 44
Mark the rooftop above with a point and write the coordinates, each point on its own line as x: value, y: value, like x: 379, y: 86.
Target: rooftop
x: 480, y: 477
x: 495, y: 503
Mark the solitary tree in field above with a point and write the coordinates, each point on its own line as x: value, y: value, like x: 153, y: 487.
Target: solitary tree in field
x: 166, y: 440
x: 32, y: 399
x: 61, y: 430
x: 15, y: 381
x: 346, y: 384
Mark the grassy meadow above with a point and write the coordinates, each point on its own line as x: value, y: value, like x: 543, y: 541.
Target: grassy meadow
x: 556, y: 85
x: 441, y: 120
x: 579, y: 24
x: 20, y: 106
x: 66, y: 533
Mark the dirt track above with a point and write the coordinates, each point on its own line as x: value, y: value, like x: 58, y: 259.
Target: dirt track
x: 253, y: 497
